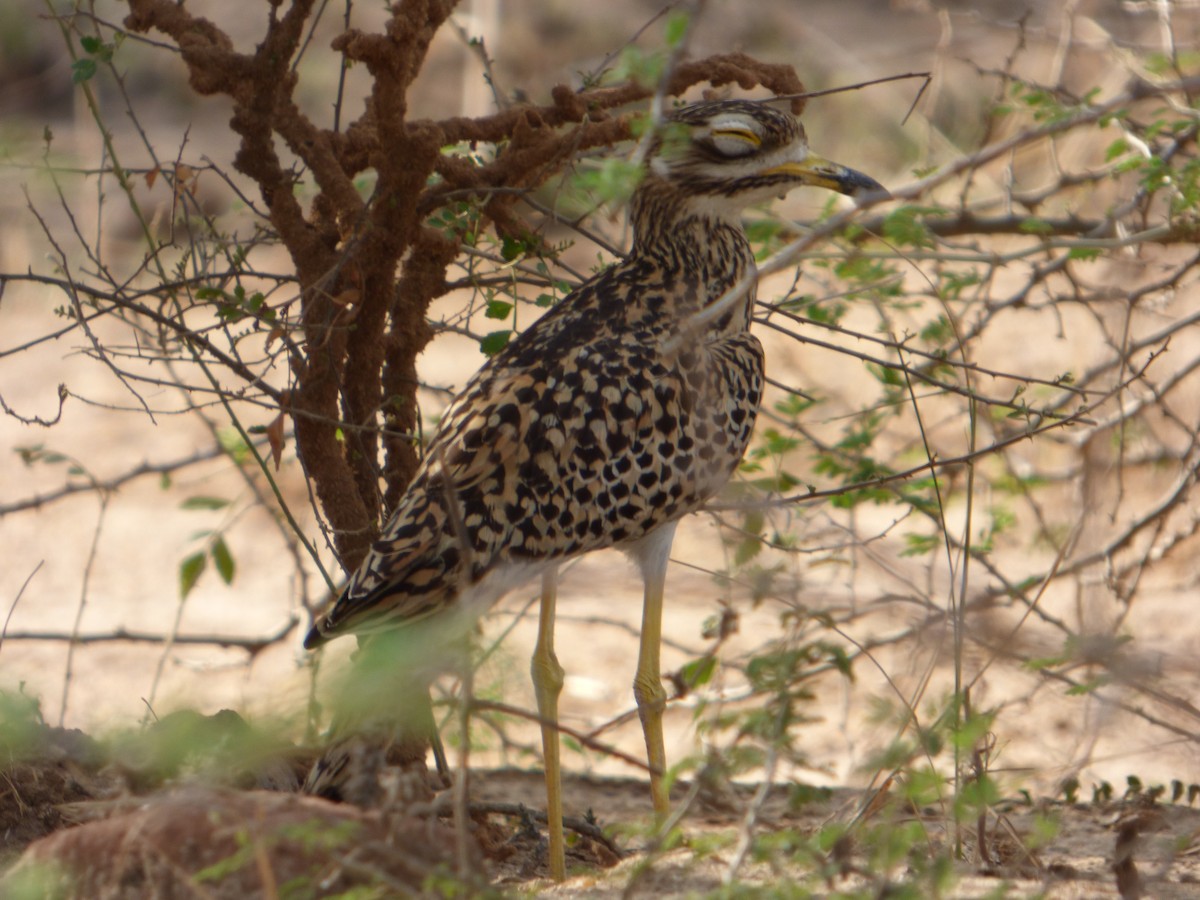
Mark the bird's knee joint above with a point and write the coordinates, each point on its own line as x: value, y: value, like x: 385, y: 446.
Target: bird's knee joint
x: 547, y: 673
x: 651, y: 696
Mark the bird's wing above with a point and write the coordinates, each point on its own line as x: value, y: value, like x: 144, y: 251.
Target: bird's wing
x: 484, y: 433
x: 485, y: 428
x: 379, y: 594
x: 504, y: 445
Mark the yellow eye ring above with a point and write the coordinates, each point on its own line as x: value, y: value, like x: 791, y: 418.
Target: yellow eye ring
x: 741, y: 134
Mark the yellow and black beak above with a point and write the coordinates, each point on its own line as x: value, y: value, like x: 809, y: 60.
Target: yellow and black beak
x: 814, y: 170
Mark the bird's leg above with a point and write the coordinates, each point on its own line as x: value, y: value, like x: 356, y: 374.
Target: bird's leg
x: 647, y: 683
x: 547, y: 685
x: 429, y: 724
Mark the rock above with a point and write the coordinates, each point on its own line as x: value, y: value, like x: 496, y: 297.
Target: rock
x: 221, y: 843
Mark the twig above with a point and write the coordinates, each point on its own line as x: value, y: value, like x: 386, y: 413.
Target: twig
x: 83, y: 595
x: 583, y: 738
x: 17, y: 599
x: 750, y: 819
x: 37, y: 420
x: 252, y: 645
x: 109, y: 485
x: 927, y: 79
x: 443, y: 807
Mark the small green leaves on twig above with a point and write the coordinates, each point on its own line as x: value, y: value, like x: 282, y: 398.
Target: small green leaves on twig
x: 190, y: 571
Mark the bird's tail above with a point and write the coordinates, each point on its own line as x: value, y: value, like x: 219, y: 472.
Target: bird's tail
x: 382, y: 717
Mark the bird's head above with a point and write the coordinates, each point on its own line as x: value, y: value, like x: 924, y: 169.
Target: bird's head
x: 733, y: 153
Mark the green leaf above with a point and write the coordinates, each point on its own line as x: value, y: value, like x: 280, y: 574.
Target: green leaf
x: 234, y: 444
x: 824, y: 313
x: 613, y: 181
x: 906, y: 226
x: 241, y: 858
x: 1087, y: 687
x: 677, y: 25
x: 794, y: 405
x: 920, y: 544
x: 498, y: 309
x: 204, y: 503
x: 634, y: 64
x: 1119, y: 147
x: 885, y: 374
x: 512, y: 248
x: 939, y: 332
x: 747, y: 549
x: 38, y: 453
x: 777, y: 444
x: 776, y: 484
x: 90, y: 43
x: 495, y: 342
x: 223, y: 560
x: 83, y: 70
x: 1034, y: 225
x: 841, y: 661
x: 698, y: 671
x: 189, y: 573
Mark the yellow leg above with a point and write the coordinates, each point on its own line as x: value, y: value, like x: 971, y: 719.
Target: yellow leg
x: 547, y: 685
x: 647, y: 683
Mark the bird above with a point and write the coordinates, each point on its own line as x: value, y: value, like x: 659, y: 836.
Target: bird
x: 621, y: 410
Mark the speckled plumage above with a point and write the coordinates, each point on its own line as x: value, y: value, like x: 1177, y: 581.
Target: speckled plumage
x: 589, y: 430
x: 579, y: 435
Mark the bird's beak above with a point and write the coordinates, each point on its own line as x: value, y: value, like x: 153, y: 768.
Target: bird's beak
x: 820, y: 172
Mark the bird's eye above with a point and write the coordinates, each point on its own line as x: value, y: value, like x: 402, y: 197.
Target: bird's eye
x: 734, y: 141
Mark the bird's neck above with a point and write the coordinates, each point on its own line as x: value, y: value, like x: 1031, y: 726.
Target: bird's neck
x: 697, y: 244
